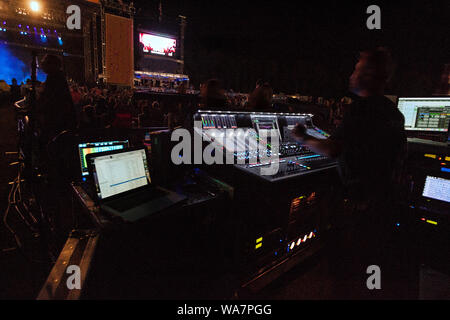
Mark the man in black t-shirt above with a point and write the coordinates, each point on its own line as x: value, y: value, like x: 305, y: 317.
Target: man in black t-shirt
x: 55, y: 109
x: 370, y: 143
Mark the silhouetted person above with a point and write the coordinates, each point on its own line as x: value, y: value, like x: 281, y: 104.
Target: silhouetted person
x: 88, y: 118
x: 371, y: 134
x: 123, y: 117
x: 54, y: 114
x: 15, y: 91
x: 259, y: 83
x: 261, y: 98
x: 213, y: 95
x: 152, y: 116
x: 182, y: 88
x: 55, y: 110
x: 370, y: 145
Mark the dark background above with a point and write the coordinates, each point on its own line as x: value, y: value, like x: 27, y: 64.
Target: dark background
x: 308, y: 47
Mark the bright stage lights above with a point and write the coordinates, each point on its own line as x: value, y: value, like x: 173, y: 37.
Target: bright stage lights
x: 35, y: 6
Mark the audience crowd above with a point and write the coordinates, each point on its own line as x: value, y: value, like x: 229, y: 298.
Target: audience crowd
x: 103, y: 107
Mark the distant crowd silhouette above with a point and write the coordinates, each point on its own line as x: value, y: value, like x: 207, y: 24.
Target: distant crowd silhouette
x: 103, y: 106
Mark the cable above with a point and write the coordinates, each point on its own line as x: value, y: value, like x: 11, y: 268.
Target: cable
x: 15, y: 199
x: 19, y: 244
x: 15, y: 202
x: 19, y: 201
x: 5, y: 216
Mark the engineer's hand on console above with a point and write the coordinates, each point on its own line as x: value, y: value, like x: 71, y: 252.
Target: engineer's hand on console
x: 299, y: 132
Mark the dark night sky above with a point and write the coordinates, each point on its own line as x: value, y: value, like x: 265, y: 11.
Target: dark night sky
x: 309, y: 47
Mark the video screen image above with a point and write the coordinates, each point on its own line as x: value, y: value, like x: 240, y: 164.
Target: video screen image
x: 158, y: 45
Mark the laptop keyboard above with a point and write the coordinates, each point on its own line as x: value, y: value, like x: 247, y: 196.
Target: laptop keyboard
x: 135, y: 200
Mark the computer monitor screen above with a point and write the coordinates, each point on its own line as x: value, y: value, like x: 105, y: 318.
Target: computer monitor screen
x: 268, y: 132
x: 95, y: 147
x: 425, y: 114
x: 120, y: 172
x: 218, y: 121
x: 155, y: 44
x: 266, y: 124
x: 437, y: 188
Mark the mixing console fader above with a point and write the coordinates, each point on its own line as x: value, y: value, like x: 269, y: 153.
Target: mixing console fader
x: 290, y: 167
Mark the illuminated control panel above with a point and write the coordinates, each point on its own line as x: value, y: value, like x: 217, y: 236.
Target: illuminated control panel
x: 95, y: 147
x: 218, y: 121
x: 297, y: 243
x: 259, y: 139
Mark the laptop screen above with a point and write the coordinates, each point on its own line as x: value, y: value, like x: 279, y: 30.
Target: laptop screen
x: 120, y: 172
x: 437, y: 188
x: 94, y: 147
x: 425, y: 114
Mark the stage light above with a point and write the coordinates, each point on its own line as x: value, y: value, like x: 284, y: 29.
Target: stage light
x: 35, y: 6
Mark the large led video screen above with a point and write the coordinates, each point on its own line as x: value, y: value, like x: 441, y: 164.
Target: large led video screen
x: 157, y: 45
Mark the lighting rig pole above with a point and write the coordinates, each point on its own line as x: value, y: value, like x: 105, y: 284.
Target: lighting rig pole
x: 182, y: 34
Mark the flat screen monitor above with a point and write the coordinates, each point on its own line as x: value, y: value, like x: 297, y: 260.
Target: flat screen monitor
x: 425, y: 114
x: 218, y: 121
x: 265, y: 123
x: 95, y: 147
x: 154, y: 44
x: 437, y: 189
x: 120, y: 172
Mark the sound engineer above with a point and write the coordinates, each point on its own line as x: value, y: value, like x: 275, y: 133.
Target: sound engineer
x: 55, y: 109
x: 370, y: 143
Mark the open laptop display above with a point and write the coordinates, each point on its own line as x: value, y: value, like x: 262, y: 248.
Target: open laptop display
x: 120, y: 172
x: 123, y: 184
x: 95, y: 147
x: 425, y: 114
x: 437, y: 188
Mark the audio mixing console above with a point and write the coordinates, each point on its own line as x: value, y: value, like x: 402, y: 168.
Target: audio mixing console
x: 260, y: 140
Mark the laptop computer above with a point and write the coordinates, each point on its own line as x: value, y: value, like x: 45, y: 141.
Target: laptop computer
x: 435, y: 196
x: 123, y: 184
